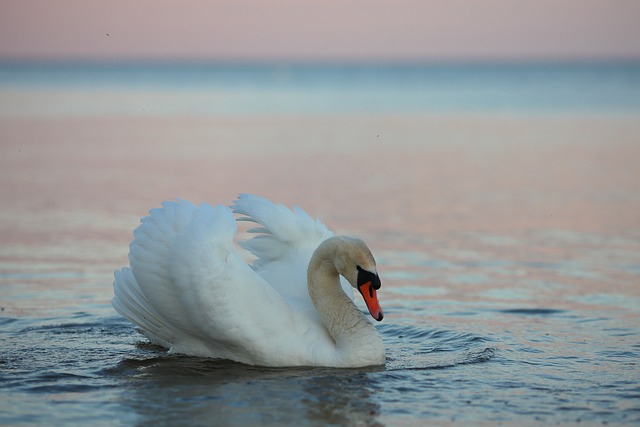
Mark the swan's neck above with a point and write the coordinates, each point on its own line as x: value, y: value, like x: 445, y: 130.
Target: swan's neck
x: 354, y: 335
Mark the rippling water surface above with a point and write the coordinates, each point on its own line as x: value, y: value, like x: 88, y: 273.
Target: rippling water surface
x: 508, y: 247
x: 471, y: 338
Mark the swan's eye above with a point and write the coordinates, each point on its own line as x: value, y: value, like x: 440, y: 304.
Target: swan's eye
x: 365, y: 276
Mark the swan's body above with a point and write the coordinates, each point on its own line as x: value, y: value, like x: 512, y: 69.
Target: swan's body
x: 189, y: 290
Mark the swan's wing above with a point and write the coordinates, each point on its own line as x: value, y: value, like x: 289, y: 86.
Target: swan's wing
x: 130, y: 302
x: 150, y: 282
x: 190, y: 291
x: 282, y: 231
x: 234, y: 312
x: 284, y: 242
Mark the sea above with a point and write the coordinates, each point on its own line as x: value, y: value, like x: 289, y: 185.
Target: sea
x: 501, y: 201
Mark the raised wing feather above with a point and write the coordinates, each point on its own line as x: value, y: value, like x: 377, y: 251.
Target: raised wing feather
x: 284, y: 242
x: 236, y: 310
x: 189, y: 290
x: 283, y: 231
x: 148, y: 256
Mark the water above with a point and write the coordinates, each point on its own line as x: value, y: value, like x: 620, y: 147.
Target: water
x: 321, y: 88
x: 508, y: 244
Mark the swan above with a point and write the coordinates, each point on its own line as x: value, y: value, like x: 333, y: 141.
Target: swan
x: 189, y: 289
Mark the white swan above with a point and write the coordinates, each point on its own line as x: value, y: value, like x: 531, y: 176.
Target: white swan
x: 189, y: 289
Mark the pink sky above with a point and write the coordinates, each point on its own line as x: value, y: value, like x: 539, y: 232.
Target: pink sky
x: 320, y: 29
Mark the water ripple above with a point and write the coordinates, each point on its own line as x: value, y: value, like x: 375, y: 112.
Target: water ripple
x: 532, y: 311
x: 413, y: 348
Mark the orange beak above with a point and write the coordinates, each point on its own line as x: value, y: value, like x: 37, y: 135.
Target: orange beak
x: 371, y: 299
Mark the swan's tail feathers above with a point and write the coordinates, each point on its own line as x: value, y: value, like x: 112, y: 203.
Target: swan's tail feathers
x: 131, y: 303
x: 280, y: 229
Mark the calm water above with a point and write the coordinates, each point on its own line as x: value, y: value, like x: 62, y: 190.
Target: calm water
x: 136, y: 89
x: 508, y: 246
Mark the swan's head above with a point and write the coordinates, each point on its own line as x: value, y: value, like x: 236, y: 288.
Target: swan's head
x: 355, y: 262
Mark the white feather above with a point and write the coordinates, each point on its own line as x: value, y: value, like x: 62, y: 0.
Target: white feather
x: 189, y: 290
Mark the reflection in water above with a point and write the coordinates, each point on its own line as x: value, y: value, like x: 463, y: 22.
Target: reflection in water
x: 340, y: 399
x: 166, y: 389
x: 169, y: 389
